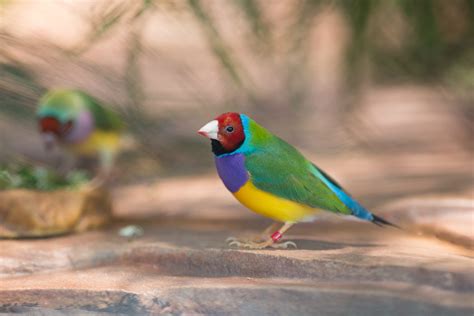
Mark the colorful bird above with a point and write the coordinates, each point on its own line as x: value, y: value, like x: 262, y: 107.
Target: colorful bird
x: 273, y: 179
x: 80, y: 124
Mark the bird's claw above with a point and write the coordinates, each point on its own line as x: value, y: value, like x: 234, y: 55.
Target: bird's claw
x: 247, y: 245
x: 284, y: 245
x: 231, y: 239
x: 249, y: 239
x: 234, y: 242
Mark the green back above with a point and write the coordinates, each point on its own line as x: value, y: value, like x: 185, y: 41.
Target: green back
x: 278, y: 168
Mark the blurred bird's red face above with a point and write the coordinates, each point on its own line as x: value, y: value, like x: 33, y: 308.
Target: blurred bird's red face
x: 52, y: 125
x: 52, y: 129
x: 226, y: 129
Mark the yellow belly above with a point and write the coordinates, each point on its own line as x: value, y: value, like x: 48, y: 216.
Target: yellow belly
x: 96, y: 142
x: 272, y: 206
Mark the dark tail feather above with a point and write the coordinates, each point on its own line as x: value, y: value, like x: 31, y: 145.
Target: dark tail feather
x: 379, y: 221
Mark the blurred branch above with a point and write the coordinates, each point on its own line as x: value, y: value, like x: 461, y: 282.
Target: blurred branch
x: 297, y: 36
x: 427, y: 42
x: 133, y: 81
x: 18, y: 88
x: 259, y: 27
x: 139, y: 122
x: 217, y: 43
x: 358, y: 14
x: 423, y: 53
x: 107, y: 17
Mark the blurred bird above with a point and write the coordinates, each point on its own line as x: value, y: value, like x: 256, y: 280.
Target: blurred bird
x: 273, y: 179
x: 80, y: 124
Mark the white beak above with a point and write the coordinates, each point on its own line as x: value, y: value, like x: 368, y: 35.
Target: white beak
x: 210, y: 130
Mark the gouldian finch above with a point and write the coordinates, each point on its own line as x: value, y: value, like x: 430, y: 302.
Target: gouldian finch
x: 273, y: 179
x: 80, y: 124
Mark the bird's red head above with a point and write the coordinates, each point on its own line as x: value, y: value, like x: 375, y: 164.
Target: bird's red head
x: 226, y: 132
x: 50, y: 125
x: 231, y: 131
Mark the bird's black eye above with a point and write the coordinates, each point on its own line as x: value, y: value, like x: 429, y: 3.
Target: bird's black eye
x: 229, y: 129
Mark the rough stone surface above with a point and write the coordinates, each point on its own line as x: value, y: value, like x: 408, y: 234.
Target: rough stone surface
x: 449, y: 219
x: 183, y: 266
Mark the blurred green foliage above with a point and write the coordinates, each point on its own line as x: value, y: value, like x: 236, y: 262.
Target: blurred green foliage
x: 434, y: 36
x: 19, y: 92
x: 16, y: 176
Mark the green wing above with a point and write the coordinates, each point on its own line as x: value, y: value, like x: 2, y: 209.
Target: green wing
x: 280, y: 169
x: 105, y: 118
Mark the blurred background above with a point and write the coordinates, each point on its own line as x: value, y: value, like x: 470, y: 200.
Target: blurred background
x: 378, y: 93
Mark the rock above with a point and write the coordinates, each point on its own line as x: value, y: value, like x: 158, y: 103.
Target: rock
x: 447, y: 218
x: 179, y: 262
x: 181, y: 266
x: 28, y: 213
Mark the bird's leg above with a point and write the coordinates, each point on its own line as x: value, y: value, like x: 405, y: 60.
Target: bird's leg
x: 255, y: 238
x: 264, y: 235
x: 271, y: 241
x: 106, y: 162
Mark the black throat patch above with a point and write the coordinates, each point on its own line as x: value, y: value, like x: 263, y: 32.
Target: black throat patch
x: 218, y: 149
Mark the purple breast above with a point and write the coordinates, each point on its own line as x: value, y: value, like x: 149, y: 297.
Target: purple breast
x: 82, y: 128
x: 231, y: 170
